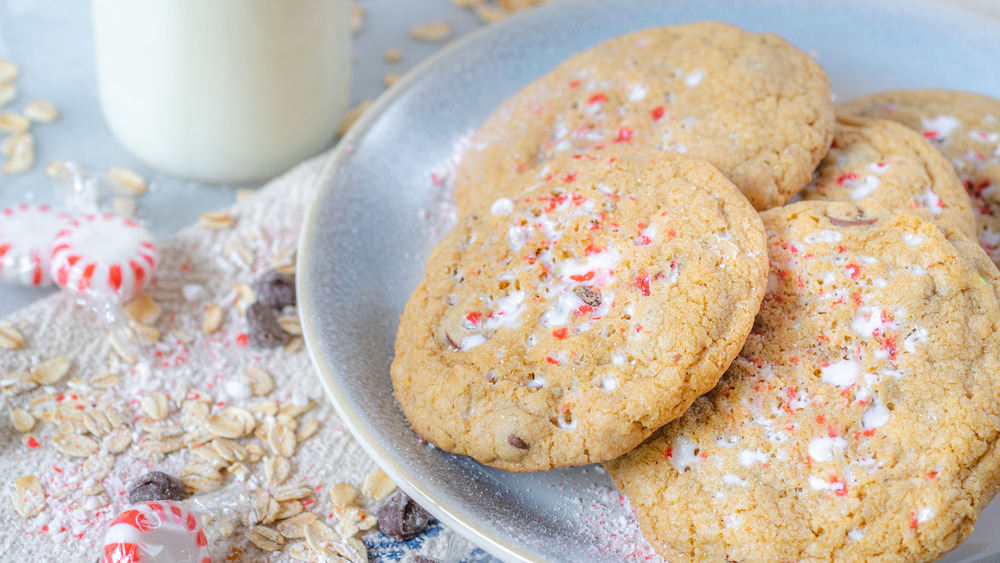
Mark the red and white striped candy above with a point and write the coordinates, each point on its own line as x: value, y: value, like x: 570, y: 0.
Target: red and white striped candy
x: 156, y: 532
x: 104, y: 255
x: 26, y: 234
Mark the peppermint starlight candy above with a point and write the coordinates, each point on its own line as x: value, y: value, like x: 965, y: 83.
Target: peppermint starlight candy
x: 156, y: 532
x: 26, y: 234
x: 104, y: 256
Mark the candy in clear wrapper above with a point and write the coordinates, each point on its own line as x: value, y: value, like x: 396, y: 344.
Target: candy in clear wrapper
x: 104, y: 257
x: 156, y: 532
x: 26, y: 235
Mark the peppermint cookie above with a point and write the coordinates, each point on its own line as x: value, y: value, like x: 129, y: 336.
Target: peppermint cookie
x: 887, y: 163
x: 965, y: 128
x: 562, y: 326
x: 859, y: 422
x: 751, y: 104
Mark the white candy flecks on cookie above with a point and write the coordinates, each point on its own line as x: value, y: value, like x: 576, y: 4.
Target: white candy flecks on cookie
x: 870, y: 375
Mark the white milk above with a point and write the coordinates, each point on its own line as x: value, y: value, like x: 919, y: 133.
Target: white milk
x: 222, y: 90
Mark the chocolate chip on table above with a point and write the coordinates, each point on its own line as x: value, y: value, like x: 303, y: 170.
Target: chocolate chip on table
x: 417, y: 559
x: 156, y: 485
x: 264, y: 331
x: 401, y: 518
x: 589, y: 295
x: 517, y: 442
x: 275, y: 289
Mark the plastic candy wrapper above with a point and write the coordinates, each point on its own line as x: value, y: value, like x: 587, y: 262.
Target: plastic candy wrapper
x: 174, y: 531
x: 156, y: 532
x: 91, y: 192
x: 26, y: 235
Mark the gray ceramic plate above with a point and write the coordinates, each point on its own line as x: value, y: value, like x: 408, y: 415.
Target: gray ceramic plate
x: 364, y: 246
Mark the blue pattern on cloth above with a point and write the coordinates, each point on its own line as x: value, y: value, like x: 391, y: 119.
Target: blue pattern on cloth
x: 383, y: 548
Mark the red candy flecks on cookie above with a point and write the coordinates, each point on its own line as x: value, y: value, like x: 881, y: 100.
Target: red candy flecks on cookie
x: 26, y: 235
x: 104, y: 255
x: 156, y: 532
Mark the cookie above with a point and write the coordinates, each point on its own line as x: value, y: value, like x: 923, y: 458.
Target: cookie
x: 859, y: 422
x: 751, y: 104
x: 562, y: 326
x: 965, y: 128
x: 887, y: 163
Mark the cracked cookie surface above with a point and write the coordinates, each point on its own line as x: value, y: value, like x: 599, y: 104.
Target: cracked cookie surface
x: 965, y: 127
x: 562, y: 325
x: 887, y: 163
x: 751, y: 104
x: 859, y: 422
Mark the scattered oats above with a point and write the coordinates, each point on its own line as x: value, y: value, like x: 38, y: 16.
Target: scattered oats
x: 216, y: 220
x: 239, y: 471
x: 291, y: 409
x: 243, y: 415
x: 167, y: 445
x: 282, y: 440
x: 489, y: 14
x: 357, y: 18
x: 264, y: 408
x: 300, y: 551
x: 147, y: 335
x: 291, y: 324
x: 96, y: 423
x: 307, y: 430
x: 121, y: 349
x: 391, y: 78
x: 155, y: 406
x: 104, y: 380
x: 93, y: 489
x: 10, y: 143
x: 74, y: 445
x: 98, y: 466
x: 51, y: 371
x: 287, y: 269
x: 393, y: 55
x: 244, y: 194
x: 203, y: 470
x: 254, y: 453
x: 8, y: 71
x: 378, y: 485
x: 353, y: 550
x: 229, y: 450
x: 118, y: 440
x: 226, y: 526
x: 351, y: 520
x: 432, y: 32
x: 41, y: 111
x: 288, y: 509
x: 7, y: 93
x: 295, y: 527
x: 143, y: 309
x: 11, y: 122
x: 226, y: 426
x: 124, y: 207
x: 467, y: 3
x: 22, y: 155
x: 213, y: 319
x: 21, y: 420
x: 318, y: 535
x: 518, y: 5
x: 246, y: 297
x: 129, y: 179
x: 58, y: 170
x: 294, y: 345
x: 261, y: 383
x: 287, y: 421
x: 343, y: 494
x: 277, y: 469
x: 208, y: 454
x: 351, y: 116
x: 17, y: 382
x: 265, y: 538
x: 263, y: 508
x: 200, y: 484
x: 291, y: 492
x: 27, y: 497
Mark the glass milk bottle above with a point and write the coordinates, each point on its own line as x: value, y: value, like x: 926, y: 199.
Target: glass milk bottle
x: 222, y: 90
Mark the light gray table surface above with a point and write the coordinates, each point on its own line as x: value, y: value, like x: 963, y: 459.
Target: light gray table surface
x: 51, y: 42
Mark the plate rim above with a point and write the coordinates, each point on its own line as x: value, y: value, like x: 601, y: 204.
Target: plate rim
x: 484, y: 538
